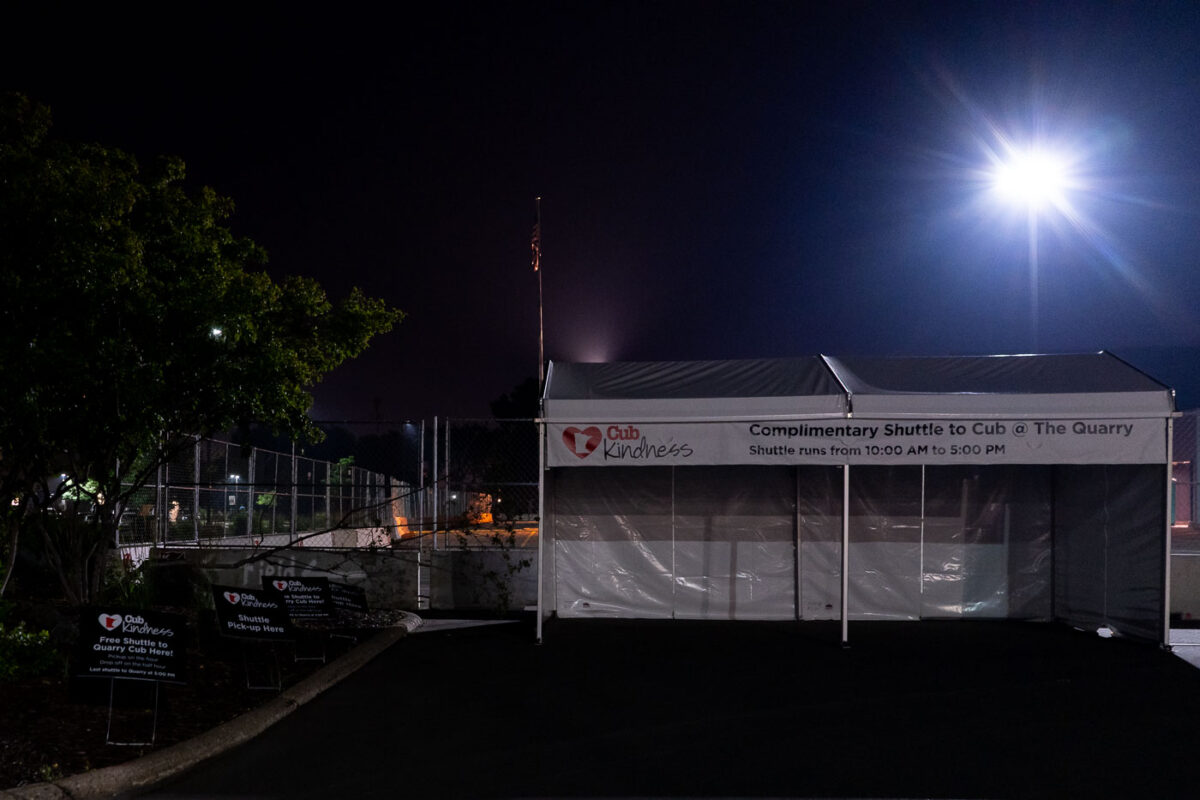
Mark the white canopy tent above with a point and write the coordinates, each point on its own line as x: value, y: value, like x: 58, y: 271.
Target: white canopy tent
x: 858, y: 488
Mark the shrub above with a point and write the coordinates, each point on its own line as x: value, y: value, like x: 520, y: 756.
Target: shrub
x: 126, y: 585
x: 26, y: 654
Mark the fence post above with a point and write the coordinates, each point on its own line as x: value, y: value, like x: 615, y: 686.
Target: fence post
x: 165, y: 505
x: 294, y: 503
x: 196, y: 492
x: 225, y: 496
x: 160, y: 528
x: 374, y: 498
x: 119, y: 509
x: 435, y: 482
x: 275, y: 496
x: 447, y: 494
x: 395, y: 490
x: 421, y: 485
x: 356, y: 495
x: 250, y: 495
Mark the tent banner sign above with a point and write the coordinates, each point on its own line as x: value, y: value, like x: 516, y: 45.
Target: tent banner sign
x: 859, y: 441
x: 132, y: 644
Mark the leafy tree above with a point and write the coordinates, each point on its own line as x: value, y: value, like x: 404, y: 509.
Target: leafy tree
x: 133, y: 319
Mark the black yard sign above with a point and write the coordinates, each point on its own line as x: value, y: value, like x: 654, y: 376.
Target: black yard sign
x: 348, y: 599
x: 133, y: 644
x: 252, y: 613
x: 306, y: 598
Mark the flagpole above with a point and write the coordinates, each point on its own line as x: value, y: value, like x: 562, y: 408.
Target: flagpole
x: 537, y: 267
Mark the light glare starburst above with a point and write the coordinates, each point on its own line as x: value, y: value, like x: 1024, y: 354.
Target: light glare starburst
x: 1034, y: 179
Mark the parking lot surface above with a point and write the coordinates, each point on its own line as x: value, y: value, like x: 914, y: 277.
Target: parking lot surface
x: 735, y: 709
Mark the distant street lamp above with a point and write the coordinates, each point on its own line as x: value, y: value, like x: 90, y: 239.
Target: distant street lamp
x: 1035, y: 180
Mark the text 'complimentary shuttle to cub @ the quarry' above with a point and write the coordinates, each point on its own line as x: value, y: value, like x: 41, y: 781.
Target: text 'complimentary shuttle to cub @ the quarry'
x: 859, y: 441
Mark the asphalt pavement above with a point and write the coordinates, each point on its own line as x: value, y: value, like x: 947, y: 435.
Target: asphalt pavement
x: 704, y: 709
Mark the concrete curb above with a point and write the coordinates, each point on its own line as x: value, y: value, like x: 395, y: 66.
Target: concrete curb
x: 160, y: 765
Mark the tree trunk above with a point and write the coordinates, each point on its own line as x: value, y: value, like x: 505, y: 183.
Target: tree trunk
x: 14, y: 536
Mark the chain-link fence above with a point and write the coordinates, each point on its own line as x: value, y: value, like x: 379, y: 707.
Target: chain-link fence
x: 468, y: 475
x: 488, y: 482
x: 225, y: 493
x: 471, y: 477
x: 441, y: 484
x: 491, y: 466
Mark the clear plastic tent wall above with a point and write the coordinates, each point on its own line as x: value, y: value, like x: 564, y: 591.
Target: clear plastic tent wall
x: 1023, y: 487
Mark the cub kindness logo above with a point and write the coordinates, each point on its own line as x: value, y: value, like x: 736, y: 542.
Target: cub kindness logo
x: 131, y: 624
x: 621, y: 443
x: 582, y: 442
x: 247, y: 600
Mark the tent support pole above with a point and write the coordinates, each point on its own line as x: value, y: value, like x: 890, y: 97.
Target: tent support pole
x: 846, y: 555
x: 541, y: 524
x: 1166, y: 598
x: 797, y: 571
x: 435, y: 482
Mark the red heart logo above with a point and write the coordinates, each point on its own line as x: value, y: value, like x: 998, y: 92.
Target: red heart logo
x: 110, y: 622
x: 582, y: 442
x: 281, y: 585
x: 233, y: 597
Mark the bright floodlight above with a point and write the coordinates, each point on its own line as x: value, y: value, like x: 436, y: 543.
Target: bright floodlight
x: 1034, y: 179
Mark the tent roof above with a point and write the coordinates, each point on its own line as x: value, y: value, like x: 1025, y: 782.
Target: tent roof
x: 1084, y: 384
x: 692, y: 390
x: 1077, y: 385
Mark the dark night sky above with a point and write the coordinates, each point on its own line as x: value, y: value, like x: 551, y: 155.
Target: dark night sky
x: 719, y: 180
